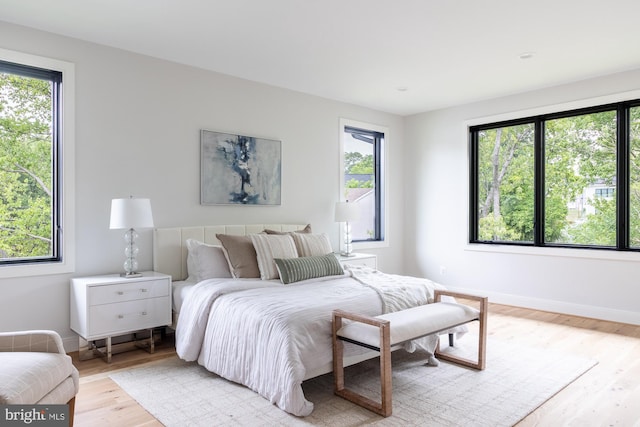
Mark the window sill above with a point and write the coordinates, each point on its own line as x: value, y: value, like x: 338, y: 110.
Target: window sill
x: 28, y: 270
x: 609, y: 255
x: 370, y: 244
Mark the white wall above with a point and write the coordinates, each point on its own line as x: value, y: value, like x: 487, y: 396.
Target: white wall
x: 137, y: 133
x: 593, y: 284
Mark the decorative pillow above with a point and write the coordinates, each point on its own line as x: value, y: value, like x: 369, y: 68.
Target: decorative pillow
x: 297, y: 269
x: 205, y: 261
x: 269, y: 247
x: 312, y: 244
x: 240, y: 255
x: 307, y: 229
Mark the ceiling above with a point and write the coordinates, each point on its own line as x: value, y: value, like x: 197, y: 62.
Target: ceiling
x: 398, y: 56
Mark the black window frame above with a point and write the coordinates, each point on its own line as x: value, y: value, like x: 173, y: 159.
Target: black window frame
x: 377, y: 139
x: 622, y: 110
x: 55, y: 77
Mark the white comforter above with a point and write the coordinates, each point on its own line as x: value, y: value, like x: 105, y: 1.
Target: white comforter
x: 268, y: 336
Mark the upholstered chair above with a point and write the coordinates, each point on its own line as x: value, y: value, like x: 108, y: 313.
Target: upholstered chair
x: 34, y: 369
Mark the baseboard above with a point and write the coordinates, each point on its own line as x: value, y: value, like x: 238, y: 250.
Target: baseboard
x: 594, y: 312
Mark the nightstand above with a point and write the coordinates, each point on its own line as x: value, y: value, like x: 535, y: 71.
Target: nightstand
x: 106, y: 306
x: 358, y: 258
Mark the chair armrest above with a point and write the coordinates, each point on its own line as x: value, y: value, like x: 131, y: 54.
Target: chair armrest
x: 44, y: 341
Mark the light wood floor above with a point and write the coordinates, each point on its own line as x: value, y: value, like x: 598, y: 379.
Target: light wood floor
x: 607, y: 395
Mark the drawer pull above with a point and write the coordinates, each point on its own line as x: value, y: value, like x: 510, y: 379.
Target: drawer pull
x: 121, y: 316
x: 120, y: 293
x: 143, y: 290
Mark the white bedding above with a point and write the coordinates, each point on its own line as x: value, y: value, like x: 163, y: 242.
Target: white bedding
x: 270, y: 336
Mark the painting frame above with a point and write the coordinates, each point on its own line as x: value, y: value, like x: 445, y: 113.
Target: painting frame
x: 238, y: 169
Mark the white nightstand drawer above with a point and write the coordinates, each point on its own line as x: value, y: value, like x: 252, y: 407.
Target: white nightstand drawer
x: 112, y: 319
x: 120, y: 292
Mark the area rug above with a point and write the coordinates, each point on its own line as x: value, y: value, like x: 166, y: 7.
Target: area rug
x: 515, y: 382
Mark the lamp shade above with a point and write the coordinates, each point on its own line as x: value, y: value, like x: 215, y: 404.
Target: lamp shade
x: 131, y: 213
x: 347, y: 212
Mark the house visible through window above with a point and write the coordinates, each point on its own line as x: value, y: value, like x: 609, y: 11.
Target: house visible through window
x: 363, y: 150
x: 566, y: 179
x: 30, y: 194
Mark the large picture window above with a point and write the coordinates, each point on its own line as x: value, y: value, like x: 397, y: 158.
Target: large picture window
x: 36, y: 165
x: 568, y: 179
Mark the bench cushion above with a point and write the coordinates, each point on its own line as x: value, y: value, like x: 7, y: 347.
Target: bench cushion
x: 411, y: 323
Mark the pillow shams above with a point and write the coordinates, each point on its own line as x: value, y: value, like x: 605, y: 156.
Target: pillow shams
x: 240, y: 255
x: 205, y: 261
x: 297, y: 269
x: 270, y: 246
x: 312, y: 244
x: 307, y: 229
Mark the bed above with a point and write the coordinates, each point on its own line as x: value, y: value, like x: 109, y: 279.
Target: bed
x: 272, y: 332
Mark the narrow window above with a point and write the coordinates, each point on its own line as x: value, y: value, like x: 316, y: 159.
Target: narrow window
x: 505, y: 183
x: 580, y: 163
x: 634, y: 177
x: 363, y: 183
x: 30, y: 209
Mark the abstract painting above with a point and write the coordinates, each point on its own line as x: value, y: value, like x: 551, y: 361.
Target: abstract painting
x: 239, y: 169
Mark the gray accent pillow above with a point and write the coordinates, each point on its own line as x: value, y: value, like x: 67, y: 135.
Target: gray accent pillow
x: 303, y: 268
x: 205, y: 261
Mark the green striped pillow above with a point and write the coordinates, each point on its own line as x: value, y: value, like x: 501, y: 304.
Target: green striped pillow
x: 309, y: 267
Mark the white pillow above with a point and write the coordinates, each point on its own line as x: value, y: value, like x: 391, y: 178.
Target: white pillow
x: 205, y: 261
x: 312, y: 244
x: 270, y: 246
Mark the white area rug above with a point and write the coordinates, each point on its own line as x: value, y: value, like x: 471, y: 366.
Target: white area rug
x: 516, y: 381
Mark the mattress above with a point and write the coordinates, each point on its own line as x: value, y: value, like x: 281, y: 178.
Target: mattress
x: 180, y: 291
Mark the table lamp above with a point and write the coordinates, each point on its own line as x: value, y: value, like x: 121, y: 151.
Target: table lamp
x: 347, y: 212
x: 130, y: 214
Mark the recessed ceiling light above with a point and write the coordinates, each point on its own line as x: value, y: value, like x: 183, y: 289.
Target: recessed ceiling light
x: 526, y: 55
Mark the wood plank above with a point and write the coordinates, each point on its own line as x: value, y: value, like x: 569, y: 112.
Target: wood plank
x: 606, y: 395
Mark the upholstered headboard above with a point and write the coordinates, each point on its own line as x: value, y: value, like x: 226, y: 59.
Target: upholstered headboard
x: 170, y: 248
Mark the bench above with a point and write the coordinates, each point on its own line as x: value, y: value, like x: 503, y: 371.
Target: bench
x: 385, y: 332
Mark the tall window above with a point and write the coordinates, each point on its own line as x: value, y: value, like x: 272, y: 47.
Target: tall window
x: 363, y: 175
x: 30, y: 194
x: 569, y: 179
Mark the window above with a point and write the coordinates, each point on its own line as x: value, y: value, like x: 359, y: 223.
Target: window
x: 363, y: 178
x: 29, y: 214
x: 568, y: 179
x: 33, y: 176
x: 607, y: 192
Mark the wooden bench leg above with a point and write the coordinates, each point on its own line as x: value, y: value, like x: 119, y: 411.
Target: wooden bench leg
x: 386, y: 386
x: 384, y: 407
x: 338, y: 352
x: 479, y: 363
